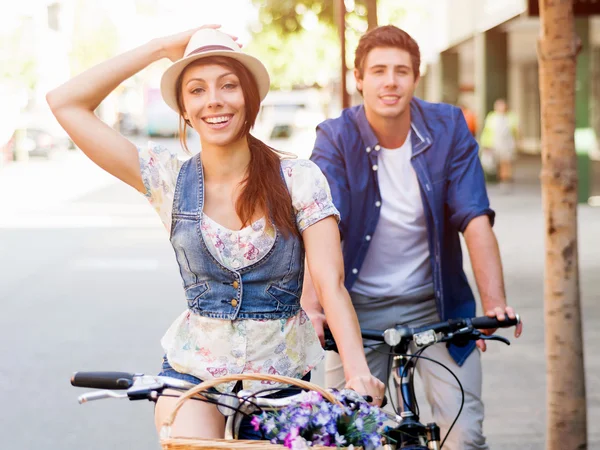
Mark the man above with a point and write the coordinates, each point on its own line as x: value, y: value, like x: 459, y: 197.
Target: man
x: 406, y: 178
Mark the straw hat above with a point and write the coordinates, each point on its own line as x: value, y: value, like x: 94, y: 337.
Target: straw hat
x: 210, y: 42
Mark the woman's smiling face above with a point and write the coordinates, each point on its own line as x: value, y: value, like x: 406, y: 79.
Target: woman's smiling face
x: 213, y: 103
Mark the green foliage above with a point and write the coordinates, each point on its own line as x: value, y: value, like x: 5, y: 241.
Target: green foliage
x: 298, y: 40
x: 300, y: 59
x: 18, y: 63
x: 288, y: 16
x: 95, y: 37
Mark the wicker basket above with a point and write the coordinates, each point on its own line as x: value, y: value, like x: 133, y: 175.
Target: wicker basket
x: 175, y: 443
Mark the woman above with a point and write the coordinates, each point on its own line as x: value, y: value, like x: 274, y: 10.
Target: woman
x: 239, y: 218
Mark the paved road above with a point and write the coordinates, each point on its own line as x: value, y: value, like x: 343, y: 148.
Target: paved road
x: 89, y: 282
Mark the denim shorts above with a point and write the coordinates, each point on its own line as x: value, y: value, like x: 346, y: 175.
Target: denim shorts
x: 247, y: 430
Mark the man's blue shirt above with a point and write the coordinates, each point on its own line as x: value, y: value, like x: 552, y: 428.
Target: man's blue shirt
x: 445, y: 159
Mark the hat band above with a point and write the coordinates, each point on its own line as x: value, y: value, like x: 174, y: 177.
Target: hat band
x: 209, y: 48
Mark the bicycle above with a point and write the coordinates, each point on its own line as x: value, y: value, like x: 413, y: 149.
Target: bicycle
x: 410, y: 433
x: 234, y: 406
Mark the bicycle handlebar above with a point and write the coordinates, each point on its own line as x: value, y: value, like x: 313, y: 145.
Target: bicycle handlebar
x: 486, y: 323
x: 448, y: 328
x: 103, y: 380
x: 454, y: 325
x: 148, y: 387
x: 99, y: 395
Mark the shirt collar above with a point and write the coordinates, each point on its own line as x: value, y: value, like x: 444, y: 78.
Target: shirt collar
x: 421, y: 139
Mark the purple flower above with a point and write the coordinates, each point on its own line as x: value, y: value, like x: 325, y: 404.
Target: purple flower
x: 314, y: 421
x: 322, y: 418
x: 301, y: 420
x: 293, y: 434
x: 374, y: 439
x: 326, y: 440
x: 269, y: 425
x: 310, y: 398
x: 255, y: 423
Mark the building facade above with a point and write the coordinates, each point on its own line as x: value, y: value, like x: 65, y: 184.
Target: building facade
x: 486, y: 49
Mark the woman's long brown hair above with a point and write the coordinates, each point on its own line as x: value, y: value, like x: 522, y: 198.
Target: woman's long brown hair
x: 263, y: 187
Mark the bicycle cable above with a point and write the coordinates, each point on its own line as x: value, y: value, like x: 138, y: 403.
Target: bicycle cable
x: 233, y: 395
x: 388, y: 371
x: 389, y: 391
x: 462, y: 391
x: 412, y: 385
x: 217, y: 403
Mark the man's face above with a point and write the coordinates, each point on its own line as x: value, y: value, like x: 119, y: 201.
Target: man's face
x: 388, y: 82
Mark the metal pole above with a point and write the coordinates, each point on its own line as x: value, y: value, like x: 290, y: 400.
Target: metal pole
x: 371, y: 14
x: 341, y: 22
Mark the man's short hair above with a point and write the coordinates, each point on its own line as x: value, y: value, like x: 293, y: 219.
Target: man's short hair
x: 387, y: 36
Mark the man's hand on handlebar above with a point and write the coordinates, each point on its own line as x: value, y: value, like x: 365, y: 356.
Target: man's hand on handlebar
x: 319, y: 323
x: 501, y: 314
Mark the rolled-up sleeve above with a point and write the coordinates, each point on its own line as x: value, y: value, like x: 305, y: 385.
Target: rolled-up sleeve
x: 310, y: 194
x: 327, y: 156
x: 467, y: 195
x: 159, y: 168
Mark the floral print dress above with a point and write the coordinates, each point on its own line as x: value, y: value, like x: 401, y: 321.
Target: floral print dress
x: 206, y: 347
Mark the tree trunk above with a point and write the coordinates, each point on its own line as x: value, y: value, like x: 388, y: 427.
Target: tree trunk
x: 566, y: 401
x: 371, y: 14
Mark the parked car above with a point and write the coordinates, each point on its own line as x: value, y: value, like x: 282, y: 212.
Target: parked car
x: 40, y: 143
x: 292, y: 138
x: 160, y: 120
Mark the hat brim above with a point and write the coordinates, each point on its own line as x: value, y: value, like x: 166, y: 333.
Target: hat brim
x: 169, y: 78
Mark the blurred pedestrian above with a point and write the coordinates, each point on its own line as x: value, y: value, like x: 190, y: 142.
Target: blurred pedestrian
x: 470, y: 118
x: 406, y: 178
x: 499, y: 136
x: 240, y: 219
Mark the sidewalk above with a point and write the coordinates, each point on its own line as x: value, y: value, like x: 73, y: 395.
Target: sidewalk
x: 515, y: 377
x: 53, y: 194
x: 45, y: 183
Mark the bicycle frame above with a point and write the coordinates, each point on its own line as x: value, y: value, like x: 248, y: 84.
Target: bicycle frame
x: 409, y: 434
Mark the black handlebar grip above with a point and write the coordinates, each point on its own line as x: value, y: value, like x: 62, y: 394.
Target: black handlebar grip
x: 329, y: 344
x: 102, y: 380
x: 484, y: 322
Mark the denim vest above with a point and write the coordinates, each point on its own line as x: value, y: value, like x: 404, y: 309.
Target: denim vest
x: 268, y: 289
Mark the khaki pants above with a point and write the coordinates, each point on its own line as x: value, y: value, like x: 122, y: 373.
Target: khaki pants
x: 441, y: 390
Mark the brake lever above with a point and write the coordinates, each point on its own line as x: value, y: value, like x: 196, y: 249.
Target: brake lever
x: 494, y: 337
x: 462, y: 337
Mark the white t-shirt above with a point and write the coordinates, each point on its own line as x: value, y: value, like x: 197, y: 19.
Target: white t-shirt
x: 397, y: 261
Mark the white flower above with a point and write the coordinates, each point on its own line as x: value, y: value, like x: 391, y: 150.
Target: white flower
x: 360, y: 424
x: 299, y: 443
x: 339, y: 439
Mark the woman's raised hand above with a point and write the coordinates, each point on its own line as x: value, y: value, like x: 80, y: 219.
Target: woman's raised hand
x: 173, y: 46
